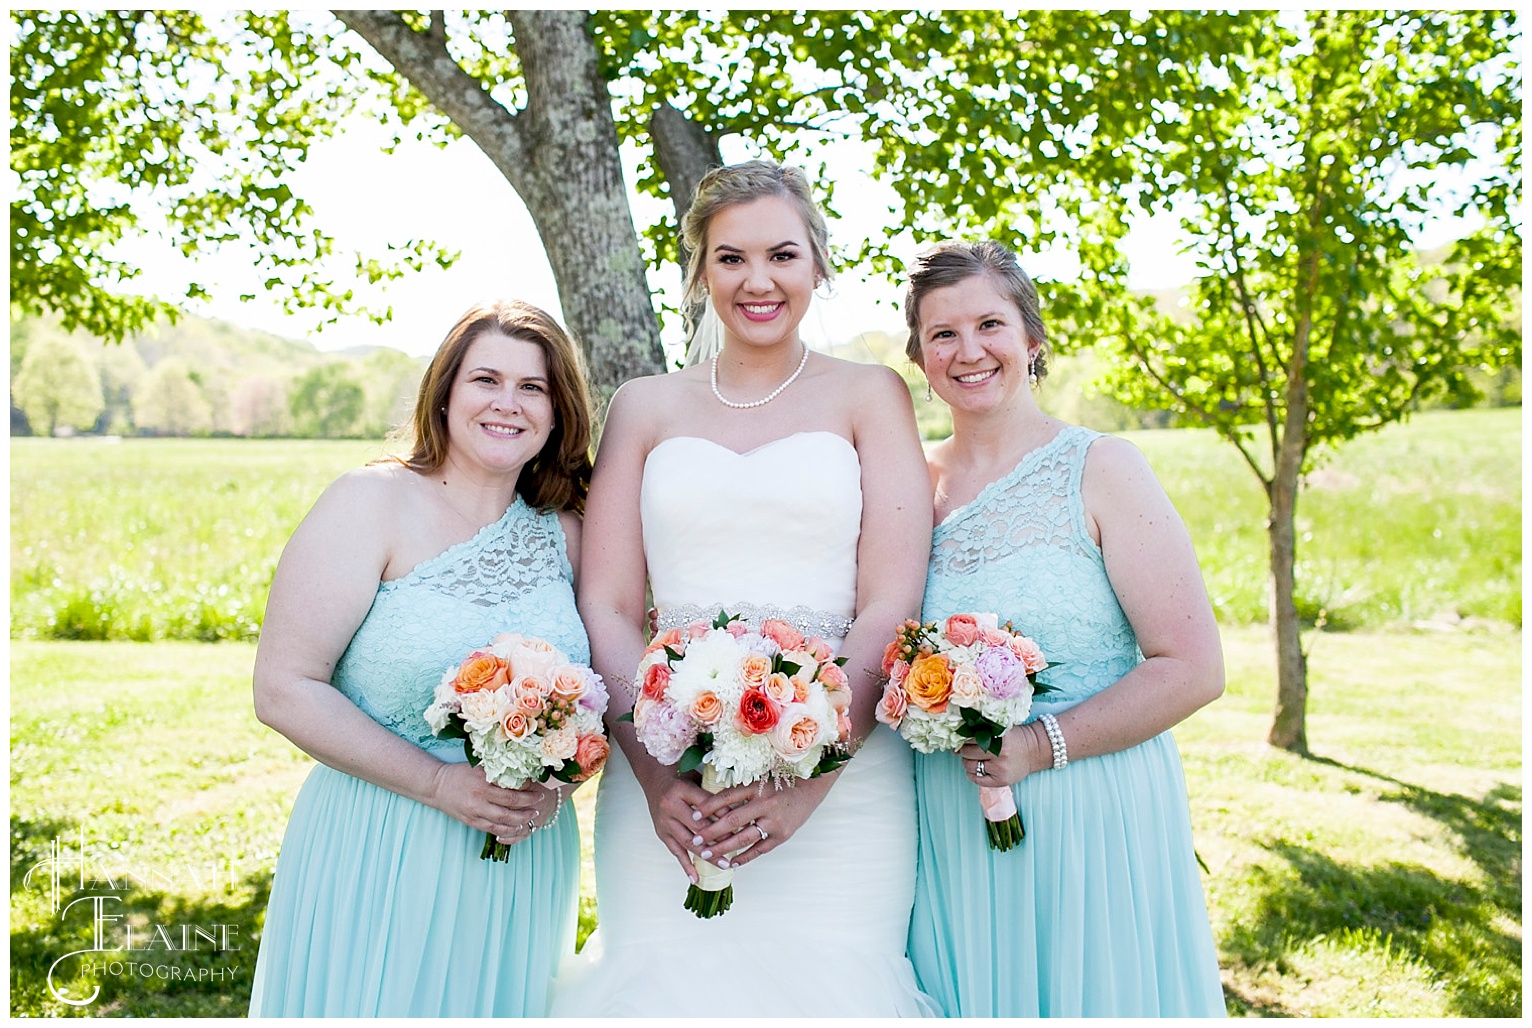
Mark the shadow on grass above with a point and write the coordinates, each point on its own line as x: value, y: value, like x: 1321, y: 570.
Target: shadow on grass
x: 190, y: 975
x: 1466, y: 935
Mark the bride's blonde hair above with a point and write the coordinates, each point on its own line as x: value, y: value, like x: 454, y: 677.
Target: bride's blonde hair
x: 745, y: 183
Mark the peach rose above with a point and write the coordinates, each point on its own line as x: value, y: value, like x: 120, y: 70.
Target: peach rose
x: 795, y: 734
x: 801, y: 682
x: 834, y: 677
x: 779, y: 687
x: 963, y: 629
x: 698, y: 629
x: 529, y: 692
x: 929, y: 684
x: 892, y: 706
x: 656, y: 681
x: 967, y: 686
x: 819, y: 649
x: 754, y: 670
x: 899, y: 672
x: 481, y: 671
x: 707, y: 708
x: 994, y: 637
x: 568, y: 681
x: 532, y: 657
x: 840, y: 699
x: 591, y: 753
x: 516, y: 724
x: 671, y: 639
x: 783, y: 634
x: 890, y: 655
x: 738, y: 629
x: 842, y: 726
x: 1030, y: 654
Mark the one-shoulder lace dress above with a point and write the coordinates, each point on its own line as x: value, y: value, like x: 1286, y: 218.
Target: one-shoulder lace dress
x: 380, y: 905
x: 818, y: 926
x: 1100, y: 910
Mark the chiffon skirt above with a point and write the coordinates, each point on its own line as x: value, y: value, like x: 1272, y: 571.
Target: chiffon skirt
x: 381, y: 907
x: 1099, y: 912
x: 817, y: 929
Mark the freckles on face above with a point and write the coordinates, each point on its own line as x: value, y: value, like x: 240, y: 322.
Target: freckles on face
x: 974, y: 345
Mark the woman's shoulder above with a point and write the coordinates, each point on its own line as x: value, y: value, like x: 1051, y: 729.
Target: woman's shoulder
x: 385, y: 481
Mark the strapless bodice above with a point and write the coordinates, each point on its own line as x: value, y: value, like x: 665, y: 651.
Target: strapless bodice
x: 777, y: 525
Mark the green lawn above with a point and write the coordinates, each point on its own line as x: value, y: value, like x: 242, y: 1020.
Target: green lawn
x: 1380, y: 877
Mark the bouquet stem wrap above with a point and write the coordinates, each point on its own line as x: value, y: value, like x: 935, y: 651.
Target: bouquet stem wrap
x: 1001, y: 821
x: 714, y: 892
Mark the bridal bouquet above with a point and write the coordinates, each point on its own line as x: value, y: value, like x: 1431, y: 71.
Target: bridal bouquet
x: 969, y: 678
x: 525, y: 713
x: 742, y: 705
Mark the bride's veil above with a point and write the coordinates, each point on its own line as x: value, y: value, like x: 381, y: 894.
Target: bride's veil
x: 706, y: 341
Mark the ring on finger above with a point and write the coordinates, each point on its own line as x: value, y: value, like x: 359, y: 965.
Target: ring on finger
x: 978, y: 769
x: 531, y: 826
x: 758, y: 828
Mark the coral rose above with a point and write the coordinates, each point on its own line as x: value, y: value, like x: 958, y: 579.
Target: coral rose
x: 656, y: 681
x: 591, y: 753
x: 929, y: 683
x: 671, y: 639
x: 481, y: 671
x: 834, y: 677
x: 892, y: 706
x: 758, y: 713
x: 890, y: 654
x: 963, y: 629
x: 782, y: 633
x: 707, y: 708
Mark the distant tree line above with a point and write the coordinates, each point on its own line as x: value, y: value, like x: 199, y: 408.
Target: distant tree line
x: 202, y: 378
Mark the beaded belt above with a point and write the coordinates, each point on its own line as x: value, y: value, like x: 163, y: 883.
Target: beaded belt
x: 805, y: 619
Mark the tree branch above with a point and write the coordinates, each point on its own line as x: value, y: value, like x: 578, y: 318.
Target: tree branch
x: 422, y: 58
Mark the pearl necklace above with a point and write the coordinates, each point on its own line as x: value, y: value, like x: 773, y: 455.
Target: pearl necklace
x: 769, y: 396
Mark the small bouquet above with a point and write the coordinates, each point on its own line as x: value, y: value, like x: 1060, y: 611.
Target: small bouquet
x: 968, y: 679
x: 525, y: 713
x: 742, y: 705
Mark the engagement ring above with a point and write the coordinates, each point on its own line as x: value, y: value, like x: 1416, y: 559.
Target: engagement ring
x: 978, y: 769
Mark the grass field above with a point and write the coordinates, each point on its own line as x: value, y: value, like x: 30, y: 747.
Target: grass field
x: 1380, y: 877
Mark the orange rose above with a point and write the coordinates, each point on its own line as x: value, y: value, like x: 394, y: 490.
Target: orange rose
x: 591, y: 754
x: 890, y: 654
x: 783, y: 634
x: 929, y: 683
x: 481, y: 671
x: 707, y: 708
x: 892, y: 706
x: 963, y: 629
x: 754, y: 670
x: 656, y: 681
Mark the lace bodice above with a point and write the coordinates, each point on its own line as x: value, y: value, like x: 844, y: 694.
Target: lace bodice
x: 513, y: 576
x: 1021, y: 550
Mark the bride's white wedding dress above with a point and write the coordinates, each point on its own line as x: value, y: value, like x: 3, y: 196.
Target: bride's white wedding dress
x: 819, y: 925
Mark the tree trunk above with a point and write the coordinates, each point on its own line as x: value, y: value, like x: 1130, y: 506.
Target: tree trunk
x: 561, y: 156
x: 1288, y: 729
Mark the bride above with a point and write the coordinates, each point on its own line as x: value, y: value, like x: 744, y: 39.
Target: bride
x: 770, y: 481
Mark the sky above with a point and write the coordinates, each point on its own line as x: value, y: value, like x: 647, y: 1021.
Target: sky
x: 454, y: 195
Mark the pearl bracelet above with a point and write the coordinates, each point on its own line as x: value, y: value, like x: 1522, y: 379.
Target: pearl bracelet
x: 558, y: 808
x: 1056, y: 740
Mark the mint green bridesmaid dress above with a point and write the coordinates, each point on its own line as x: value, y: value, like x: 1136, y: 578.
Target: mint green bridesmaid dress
x: 1099, y: 912
x: 380, y: 906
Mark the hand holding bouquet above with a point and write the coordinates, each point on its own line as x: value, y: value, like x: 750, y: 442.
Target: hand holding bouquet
x: 969, y: 678
x: 742, y: 705
x: 525, y: 713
